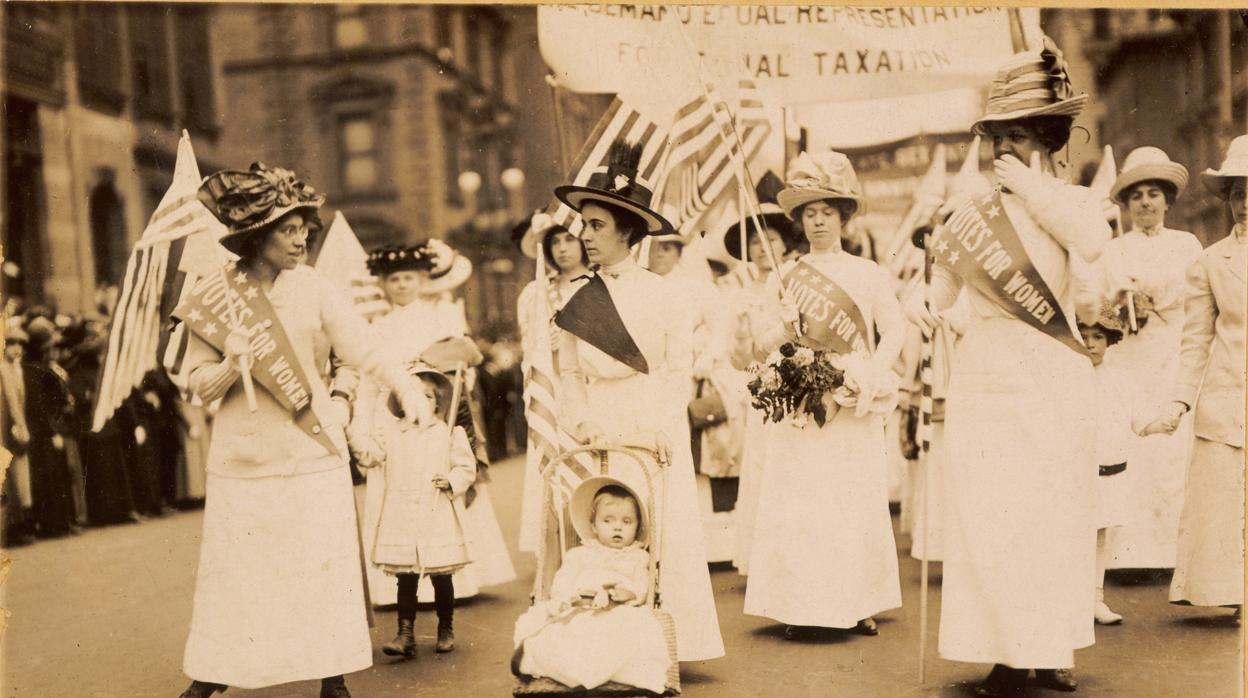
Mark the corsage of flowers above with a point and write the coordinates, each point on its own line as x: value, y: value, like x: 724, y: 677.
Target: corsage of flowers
x: 799, y: 383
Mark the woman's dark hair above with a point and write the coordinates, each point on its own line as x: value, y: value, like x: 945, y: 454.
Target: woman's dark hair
x: 248, y: 249
x: 845, y: 207
x: 1168, y: 190
x: 548, y: 241
x: 625, y: 221
x: 1052, y: 131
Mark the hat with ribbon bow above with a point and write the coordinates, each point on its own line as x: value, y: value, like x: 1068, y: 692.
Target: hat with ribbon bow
x: 1149, y: 164
x: 618, y: 183
x: 246, y: 201
x: 827, y: 175
x: 1034, y: 83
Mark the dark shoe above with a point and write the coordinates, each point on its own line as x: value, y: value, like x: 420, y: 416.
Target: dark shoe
x: 1003, y: 682
x: 446, y: 637
x: 403, y: 644
x: 334, y: 687
x: 1057, y: 680
x: 867, y: 626
x: 202, y: 689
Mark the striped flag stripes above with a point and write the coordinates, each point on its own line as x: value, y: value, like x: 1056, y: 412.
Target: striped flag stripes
x: 135, y: 334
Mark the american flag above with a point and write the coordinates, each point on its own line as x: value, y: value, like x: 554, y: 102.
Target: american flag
x: 181, y: 222
x: 619, y: 121
x: 541, y: 402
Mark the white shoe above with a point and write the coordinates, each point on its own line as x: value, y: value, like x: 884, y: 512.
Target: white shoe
x: 1102, y: 613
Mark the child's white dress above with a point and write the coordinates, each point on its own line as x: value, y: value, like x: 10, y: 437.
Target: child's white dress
x: 1117, y: 403
x: 582, y: 646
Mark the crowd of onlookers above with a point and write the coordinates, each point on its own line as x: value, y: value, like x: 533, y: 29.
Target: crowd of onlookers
x: 146, y: 460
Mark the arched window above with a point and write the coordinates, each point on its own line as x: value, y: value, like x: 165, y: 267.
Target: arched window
x: 108, y: 230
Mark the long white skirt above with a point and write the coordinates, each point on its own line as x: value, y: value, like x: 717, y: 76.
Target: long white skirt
x: 824, y: 553
x: 491, y: 563
x: 1210, y: 570
x: 278, y: 594
x: 1156, y: 463
x: 753, y: 457
x: 1020, y: 482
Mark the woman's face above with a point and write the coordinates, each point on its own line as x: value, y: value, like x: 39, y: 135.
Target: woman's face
x: 604, y: 242
x: 1014, y: 139
x: 822, y: 224
x: 286, y: 245
x: 1146, y: 202
x: 402, y: 287
x: 758, y: 254
x: 567, y: 252
x: 664, y: 256
x: 1239, y: 207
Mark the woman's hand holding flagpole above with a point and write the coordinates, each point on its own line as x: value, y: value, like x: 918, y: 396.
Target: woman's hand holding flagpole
x: 244, y: 360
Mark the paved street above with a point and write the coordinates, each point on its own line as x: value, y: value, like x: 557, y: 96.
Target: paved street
x: 105, y: 615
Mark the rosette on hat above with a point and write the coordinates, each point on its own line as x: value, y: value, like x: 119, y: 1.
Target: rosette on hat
x: 247, y: 201
x: 1235, y: 166
x: 827, y: 175
x: 1145, y: 165
x: 1034, y: 83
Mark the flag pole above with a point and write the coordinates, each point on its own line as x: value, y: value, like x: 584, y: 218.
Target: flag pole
x: 925, y: 445
x: 249, y: 388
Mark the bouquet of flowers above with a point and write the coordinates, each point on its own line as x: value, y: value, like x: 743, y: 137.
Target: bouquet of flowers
x: 794, y: 382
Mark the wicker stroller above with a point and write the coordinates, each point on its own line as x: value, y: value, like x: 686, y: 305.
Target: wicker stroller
x: 556, y: 536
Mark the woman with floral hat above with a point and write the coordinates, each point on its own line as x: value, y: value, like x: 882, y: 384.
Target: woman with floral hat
x: 625, y: 364
x: 424, y: 320
x: 1210, y: 568
x: 823, y: 553
x: 1019, y: 423
x: 566, y: 266
x: 1149, y: 262
x: 279, y: 593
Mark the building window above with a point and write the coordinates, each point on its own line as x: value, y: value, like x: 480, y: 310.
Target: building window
x: 149, y: 55
x: 350, y: 27
x: 1100, y: 24
x: 97, y: 39
x: 451, y: 115
x: 108, y: 231
x: 444, y: 27
x: 195, y: 69
x: 499, y: 42
x: 359, y: 169
x: 473, y: 38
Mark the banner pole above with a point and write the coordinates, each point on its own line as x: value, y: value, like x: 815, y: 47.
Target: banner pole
x: 925, y: 445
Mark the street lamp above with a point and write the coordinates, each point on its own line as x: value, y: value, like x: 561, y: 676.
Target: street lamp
x: 512, y: 179
x: 469, y: 183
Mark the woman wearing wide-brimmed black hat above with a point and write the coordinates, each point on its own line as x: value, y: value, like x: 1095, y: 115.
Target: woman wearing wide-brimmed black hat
x: 1020, y: 543
x: 279, y: 594
x: 626, y: 365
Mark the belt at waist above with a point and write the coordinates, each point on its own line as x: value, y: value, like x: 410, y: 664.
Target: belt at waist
x: 1114, y: 469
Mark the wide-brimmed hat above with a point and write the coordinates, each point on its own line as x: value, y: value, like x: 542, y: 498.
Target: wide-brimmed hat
x: 246, y: 201
x: 1235, y: 166
x: 450, y: 353
x: 827, y: 175
x: 447, y: 268
x: 1034, y: 83
x: 618, y: 184
x: 582, y: 505
x: 418, y: 369
x: 1111, y: 322
x: 539, y: 226
x: 772, y: 217
x: 1145, y: 165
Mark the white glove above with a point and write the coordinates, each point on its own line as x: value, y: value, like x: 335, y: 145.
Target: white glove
x: 1019, y: 178
x: 238, y: 348
x: 790, y: 316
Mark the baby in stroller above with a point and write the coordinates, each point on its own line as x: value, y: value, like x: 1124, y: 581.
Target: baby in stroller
x: 594, y: 629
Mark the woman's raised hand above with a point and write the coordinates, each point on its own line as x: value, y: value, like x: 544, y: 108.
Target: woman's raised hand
x: 790, y: 316
x: 1017, y: 177
x: 238, y: 348
x: 590, y: 433
x: 916, y: 311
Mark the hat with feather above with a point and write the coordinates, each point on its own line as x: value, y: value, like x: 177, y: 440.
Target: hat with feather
x: 619, y: 184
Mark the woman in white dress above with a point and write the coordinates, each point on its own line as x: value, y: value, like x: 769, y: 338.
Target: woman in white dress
x: 1020, y: 475
x: 1210, y: 569
x: 1150, y: 261
x: 279, y: 595
x: 625, y: 361
x: 750, y: 305
x: 417, y: 281
x: 565, y: 260
x: 823, y: 553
